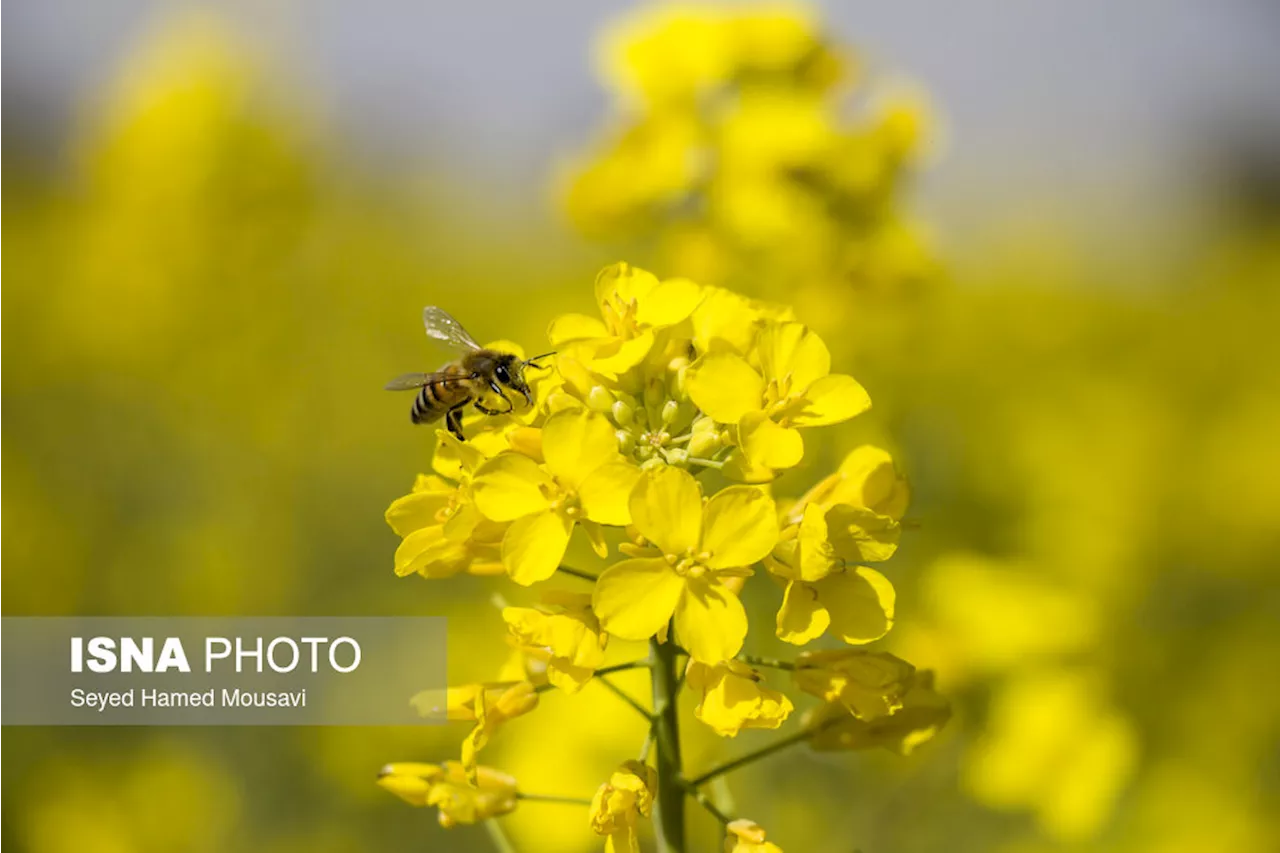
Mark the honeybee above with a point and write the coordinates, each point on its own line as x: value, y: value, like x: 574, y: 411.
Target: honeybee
x: 476, y: 372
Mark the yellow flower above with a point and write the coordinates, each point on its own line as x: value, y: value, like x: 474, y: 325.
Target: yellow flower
x: 847, y: 517
x: 745, y: 836
x: 922, y: 715
x: 792, y: 388
x: 567, y: 631
x: 867, y: 684
x: 446, y: 786
x: 868, y: 479
x: 634, y: 305
x: 732, y: 698
x: 725, y: 320
x: 699, y: 547
x: 619, y: 804
x: 444, y: 533
x: 584, y: 480
x: 489, y: 705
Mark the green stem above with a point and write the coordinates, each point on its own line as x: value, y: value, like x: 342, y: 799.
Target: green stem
x: 763, y: 752
x: 668, y: 814
x: 705, y: 463
x: 701, y: 798
x: 498, y: 836
x: 617, y: 667
x: 579, y: 573
x: 620, y: 667
x: 625, y: 697
x: 552, y: 798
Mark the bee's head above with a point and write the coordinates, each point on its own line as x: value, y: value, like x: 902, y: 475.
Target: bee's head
x: 509, y: 371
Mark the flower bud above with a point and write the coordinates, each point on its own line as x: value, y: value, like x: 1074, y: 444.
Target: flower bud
x: 599, y: 399
x: 707, y: 439
x: 670, y: 410
x: 626, y: 441
x: 623, y: 413
x: 677, y: 456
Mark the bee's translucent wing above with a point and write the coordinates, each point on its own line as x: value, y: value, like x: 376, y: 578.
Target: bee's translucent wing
x: 409, y: 381
x: 442, y: 327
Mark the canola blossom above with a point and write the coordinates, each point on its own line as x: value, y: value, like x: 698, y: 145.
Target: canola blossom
x: 750, y: 148
x: 657, y: 437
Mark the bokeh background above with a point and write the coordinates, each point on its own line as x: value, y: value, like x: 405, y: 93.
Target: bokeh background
x: 222, y: 222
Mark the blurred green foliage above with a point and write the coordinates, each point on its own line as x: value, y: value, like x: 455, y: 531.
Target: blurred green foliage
x: 200, y: 314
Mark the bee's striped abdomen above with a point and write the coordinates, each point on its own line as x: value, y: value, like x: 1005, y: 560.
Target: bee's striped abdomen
x: 439, y: 396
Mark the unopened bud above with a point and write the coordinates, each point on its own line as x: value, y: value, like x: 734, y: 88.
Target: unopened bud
x: 670, y: 410
x: 678, y: 456
x: 623, y: 413
x: 626, y: 441
x: 599, y: 399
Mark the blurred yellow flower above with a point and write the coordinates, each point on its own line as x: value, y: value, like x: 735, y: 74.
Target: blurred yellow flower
x: 490, y: 705
x: 1056, y: 746
x: 619, y: 804
x: 745, y: 836
x: 583, y: 481
x: 922, y: 714
x: 697, y: 547
x: 564, y: 629
x: 488, y: 793
x: 867, y: 684
x: 793, y: 387
x: 732, y: 698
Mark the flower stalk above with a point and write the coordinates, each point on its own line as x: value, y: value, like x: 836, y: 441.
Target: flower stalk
x: 668, y: 814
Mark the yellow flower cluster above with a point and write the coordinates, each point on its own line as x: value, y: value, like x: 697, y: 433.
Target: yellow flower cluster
x: 743, y: 142
x: 675, y: 381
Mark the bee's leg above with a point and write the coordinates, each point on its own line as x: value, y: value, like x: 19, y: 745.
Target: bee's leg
x: 453, y: 420
x: 486, y: 411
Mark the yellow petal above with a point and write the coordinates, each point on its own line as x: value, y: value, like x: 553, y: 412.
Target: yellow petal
x: 534, y: 546
x: 802, y: 617
x: 428, y: 551
x: 605, y: 493
x: 768, y: 444
x: 595, y: 535
x: 791, y: 351
x: 575, y: 327
x: 814, y: 553
x: 666, y: 507
x: 635, y: 598
x: 455, y: 459
x: 871, y: 480
x: 577, y: 442
x: 832, y: 399
x: 669, y: 303
x: 622, y: 283
x: 860, y: 602
x: 740, y: 526
x: 623, y: 355
x: 710, y: 621
x: 860, y: 535
x: 416, y: 510
x: 510, y: 486
x: 724, y: 386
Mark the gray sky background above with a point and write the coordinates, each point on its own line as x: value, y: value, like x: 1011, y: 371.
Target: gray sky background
x: 1089, y: 104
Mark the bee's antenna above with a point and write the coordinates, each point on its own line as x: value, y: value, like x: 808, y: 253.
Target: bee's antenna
x: 533, y: 362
